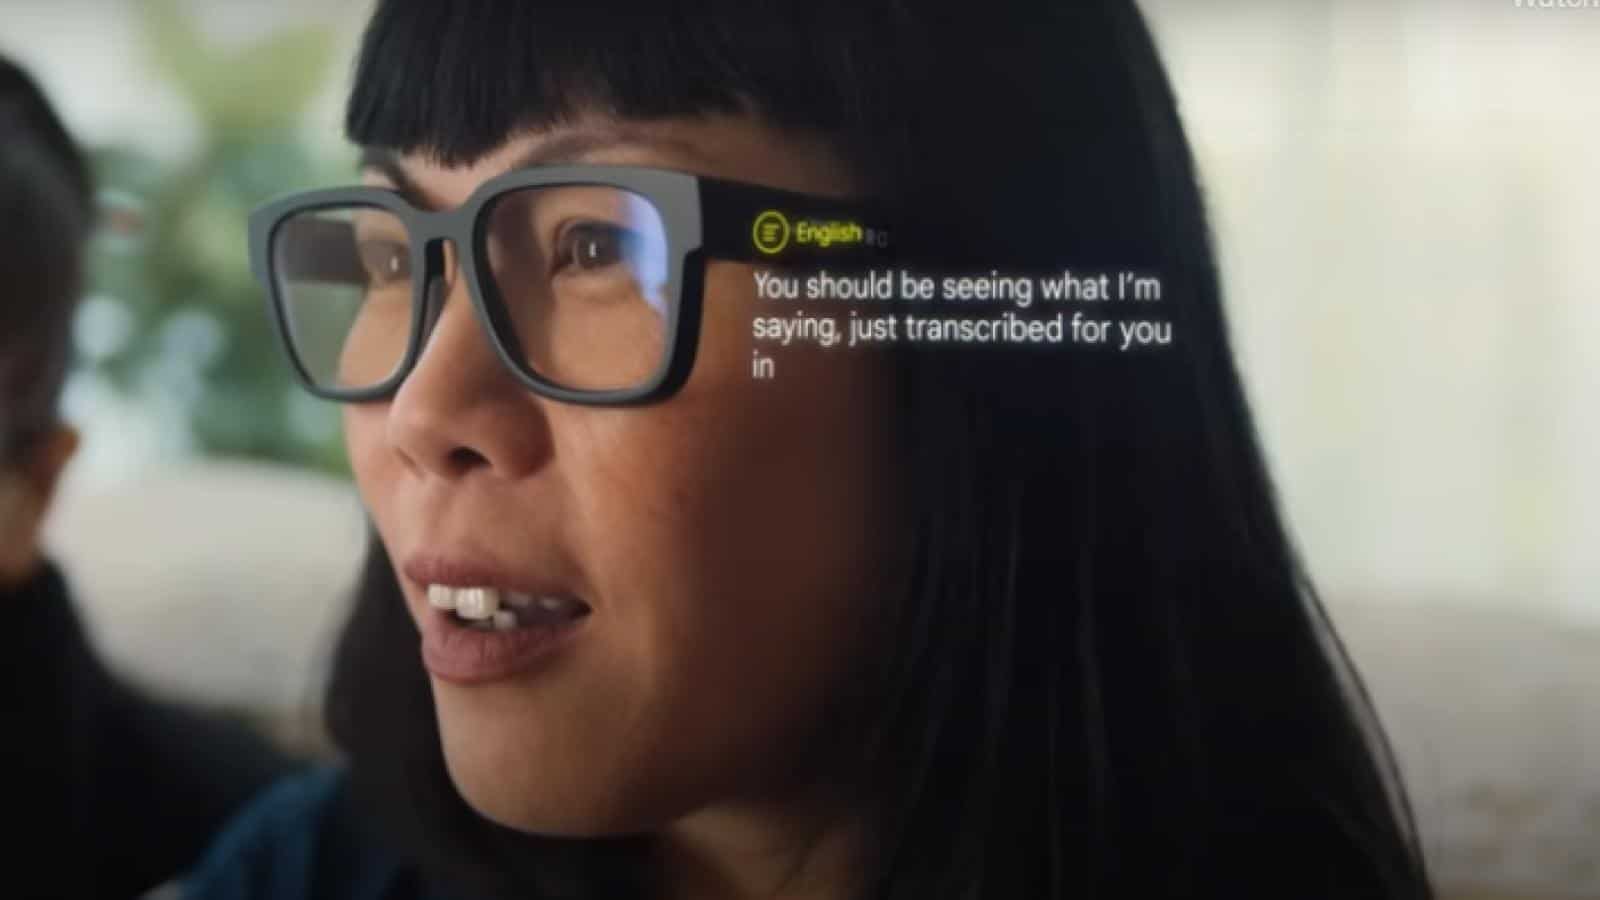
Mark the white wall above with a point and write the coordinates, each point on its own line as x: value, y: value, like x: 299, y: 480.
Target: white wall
x: 1404, y: 200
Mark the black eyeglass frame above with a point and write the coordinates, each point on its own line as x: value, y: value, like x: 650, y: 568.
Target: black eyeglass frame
x: 704, y: 218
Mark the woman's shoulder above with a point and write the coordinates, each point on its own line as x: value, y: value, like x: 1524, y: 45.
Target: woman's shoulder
x: 299, y: 840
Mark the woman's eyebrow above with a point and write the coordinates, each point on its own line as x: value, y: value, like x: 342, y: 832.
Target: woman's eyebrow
x: 388, y: 165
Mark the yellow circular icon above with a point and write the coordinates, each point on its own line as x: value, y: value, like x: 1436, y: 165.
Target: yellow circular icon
x: 770, y: 232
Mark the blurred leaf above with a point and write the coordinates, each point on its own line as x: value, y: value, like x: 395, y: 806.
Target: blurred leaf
x: 261, y: 87
x: 191, y: 265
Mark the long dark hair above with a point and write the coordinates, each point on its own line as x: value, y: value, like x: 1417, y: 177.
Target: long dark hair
x: 46, y: 199
x: 1110, y: 676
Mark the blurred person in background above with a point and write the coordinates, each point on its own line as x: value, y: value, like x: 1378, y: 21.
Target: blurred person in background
x: 107, y: 793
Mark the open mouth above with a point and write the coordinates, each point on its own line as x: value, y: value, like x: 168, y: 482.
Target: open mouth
x: 491, y: 609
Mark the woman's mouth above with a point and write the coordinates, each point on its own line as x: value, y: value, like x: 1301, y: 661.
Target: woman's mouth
x: 480, y: 634
x: 490, y: 609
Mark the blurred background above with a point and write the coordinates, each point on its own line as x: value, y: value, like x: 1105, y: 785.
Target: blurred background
x: 1404, y: 198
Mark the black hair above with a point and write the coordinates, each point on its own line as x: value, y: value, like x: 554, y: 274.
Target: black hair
x: 46, y: 194
x: 1110, y: 676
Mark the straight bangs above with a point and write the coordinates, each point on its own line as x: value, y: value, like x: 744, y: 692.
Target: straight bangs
x: 454, y: 80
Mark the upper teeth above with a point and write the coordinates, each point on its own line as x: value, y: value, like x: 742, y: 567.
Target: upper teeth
x: 484, y: 602
x: 468, y: 602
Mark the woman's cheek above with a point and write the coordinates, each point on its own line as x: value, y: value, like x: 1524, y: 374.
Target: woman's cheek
x: 731, y: 509
x: 363, y: 435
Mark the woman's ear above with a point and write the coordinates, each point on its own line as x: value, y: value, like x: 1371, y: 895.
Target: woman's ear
x: 50, y: 458
x: 26, y: 491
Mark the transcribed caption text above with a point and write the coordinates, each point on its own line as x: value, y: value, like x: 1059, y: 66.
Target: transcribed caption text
x: 1117, y: 311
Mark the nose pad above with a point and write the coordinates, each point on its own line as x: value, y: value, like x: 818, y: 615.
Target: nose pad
x: 433, y: 295
x: 444, y: 274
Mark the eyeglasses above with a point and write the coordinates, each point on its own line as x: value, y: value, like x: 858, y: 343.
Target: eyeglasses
x: 587, y: 279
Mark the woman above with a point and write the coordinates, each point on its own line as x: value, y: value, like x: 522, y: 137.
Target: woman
x: 924, y: 622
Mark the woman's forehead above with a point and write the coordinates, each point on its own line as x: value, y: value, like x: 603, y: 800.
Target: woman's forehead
x: 592, y: 140
x: 737, y: 147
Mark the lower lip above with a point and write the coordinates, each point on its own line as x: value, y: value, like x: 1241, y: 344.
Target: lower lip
x: 455, y: 653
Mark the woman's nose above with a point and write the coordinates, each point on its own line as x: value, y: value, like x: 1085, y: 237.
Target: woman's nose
x: 460, y: 409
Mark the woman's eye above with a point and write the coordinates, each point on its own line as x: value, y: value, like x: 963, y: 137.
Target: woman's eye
x: 385, y: 261
x: 591, y: 245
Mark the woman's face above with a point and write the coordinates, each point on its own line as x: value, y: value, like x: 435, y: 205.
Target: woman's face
x: 728, y: 543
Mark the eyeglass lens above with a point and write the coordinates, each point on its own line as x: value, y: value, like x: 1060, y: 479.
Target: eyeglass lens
x: 581, y: 273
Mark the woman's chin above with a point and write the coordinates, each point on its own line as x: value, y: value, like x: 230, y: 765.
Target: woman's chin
x: 547, y: 798
x: 510, y: 802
